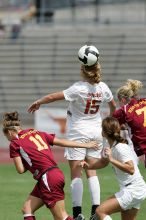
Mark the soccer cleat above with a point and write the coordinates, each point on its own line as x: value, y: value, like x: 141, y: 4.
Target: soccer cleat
x: 80, y: 217
x: 93, y: 217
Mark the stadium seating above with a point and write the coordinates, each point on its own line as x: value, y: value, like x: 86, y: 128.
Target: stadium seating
x: 44, y: 60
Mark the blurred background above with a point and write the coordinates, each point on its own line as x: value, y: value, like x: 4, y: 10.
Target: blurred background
x: 39, y: 42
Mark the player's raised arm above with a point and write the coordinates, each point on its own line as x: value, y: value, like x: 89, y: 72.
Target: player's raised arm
x: 44, y: 100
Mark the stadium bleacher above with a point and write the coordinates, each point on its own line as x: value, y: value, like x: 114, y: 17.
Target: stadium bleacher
x: 45, y: 60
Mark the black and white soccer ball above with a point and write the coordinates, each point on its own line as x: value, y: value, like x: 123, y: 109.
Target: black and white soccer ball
x: 88, y: 55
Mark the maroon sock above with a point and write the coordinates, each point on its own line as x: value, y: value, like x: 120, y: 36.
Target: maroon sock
x: 69, y: 218
x: 30, y: 217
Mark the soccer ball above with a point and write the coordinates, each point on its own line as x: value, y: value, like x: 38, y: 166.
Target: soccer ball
x: 88, y: 55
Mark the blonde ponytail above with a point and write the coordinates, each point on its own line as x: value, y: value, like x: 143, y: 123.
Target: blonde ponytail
x: 91, y: 74
x: 129, y: 90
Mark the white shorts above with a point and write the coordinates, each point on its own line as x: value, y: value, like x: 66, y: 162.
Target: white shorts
x: 131, y: 196
x: 81, y: 153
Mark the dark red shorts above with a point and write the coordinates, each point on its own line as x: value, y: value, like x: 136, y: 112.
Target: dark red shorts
x: 50, y: 187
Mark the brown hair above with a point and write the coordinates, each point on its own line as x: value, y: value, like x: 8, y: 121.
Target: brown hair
x: 111, y: 128
x: 129, y: 90
x: 11, y: 121
x: 92, y: 73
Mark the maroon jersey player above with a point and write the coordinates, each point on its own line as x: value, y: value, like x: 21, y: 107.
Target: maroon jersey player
x: 30, y: 150
x: 133, y: 113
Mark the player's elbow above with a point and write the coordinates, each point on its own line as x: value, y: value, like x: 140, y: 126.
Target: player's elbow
x: 129, y: 167
x: 21, y: 170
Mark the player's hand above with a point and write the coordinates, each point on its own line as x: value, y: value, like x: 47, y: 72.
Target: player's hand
x: 93, y: 145
x: 34, y: 106
x: 84, y: 164
x: 108, y: 153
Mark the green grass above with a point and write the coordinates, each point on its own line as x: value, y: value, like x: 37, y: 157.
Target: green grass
x: 14, y: 189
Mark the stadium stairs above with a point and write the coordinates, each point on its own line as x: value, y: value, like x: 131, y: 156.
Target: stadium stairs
x: 44, y: 60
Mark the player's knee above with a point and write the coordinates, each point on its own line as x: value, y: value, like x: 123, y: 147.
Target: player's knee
x: 100, y: 214
x: 98, y: 211
x: 76, y: 173
x: 25, y: 209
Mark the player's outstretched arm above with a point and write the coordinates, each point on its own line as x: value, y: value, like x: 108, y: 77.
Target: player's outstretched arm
x: 44, y: 100
x: 74, y: 144
x: 100, y: 163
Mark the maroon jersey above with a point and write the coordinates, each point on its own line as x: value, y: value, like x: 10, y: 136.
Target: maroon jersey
x: 34, y: 148
x: 134, y: 114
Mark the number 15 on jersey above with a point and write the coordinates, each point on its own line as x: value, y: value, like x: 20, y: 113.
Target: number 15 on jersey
x: 92, y: 106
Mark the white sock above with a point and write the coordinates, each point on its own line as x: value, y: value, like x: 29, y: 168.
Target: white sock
x: 77, y: 191
x: 27, y: 215
x: 107, y: 217
x: 65, y: 218
x: 94, y: 188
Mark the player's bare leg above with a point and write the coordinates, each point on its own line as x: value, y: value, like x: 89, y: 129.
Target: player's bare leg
x: 76, y: 187
x: 59, y: 212
x: 94, y: 186
x: 30, y: 206
x: 108, y: 207
x: 129, y: 214
x: 94, y: 189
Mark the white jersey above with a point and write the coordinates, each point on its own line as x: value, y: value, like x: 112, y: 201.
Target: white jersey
x: 123, y: 153
x: 83, y: 114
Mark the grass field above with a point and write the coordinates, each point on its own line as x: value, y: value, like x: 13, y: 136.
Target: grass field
x: 14, y: 189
